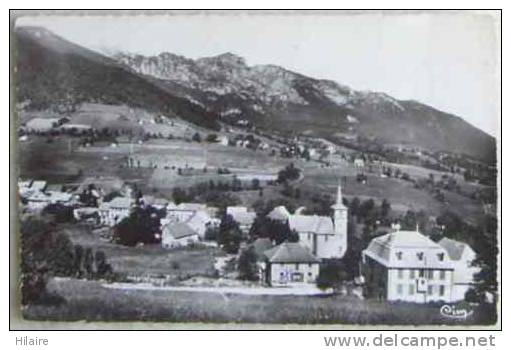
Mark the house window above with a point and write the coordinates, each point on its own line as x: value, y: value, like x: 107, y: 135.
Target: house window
x: 441, y: 290
x: 399, y: 255
x: 297, y: 266
x: 412, y: 273
x: 308, y: 236
x: 430, y: 274
x: 400, y: 274
x: 442, y: 275
x: 399, y: 289
x: 421, y: 273
x: 430, y: 290
x: 297, y: 277
x: 420, y: 256
x: 326, y: 238
x: 411, y: 289
x: 441, y: 256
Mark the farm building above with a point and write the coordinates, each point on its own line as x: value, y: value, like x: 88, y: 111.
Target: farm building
x: 178, y: 234
x: 290, y: 264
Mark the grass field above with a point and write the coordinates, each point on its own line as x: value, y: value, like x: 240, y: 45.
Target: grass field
x: 401, y: 194
x: 88, y: 300
x: 152, y: 260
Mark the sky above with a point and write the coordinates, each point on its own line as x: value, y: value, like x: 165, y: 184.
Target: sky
x: 450, y: 61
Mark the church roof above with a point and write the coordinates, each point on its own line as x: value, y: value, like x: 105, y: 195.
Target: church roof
x: 311, y: 223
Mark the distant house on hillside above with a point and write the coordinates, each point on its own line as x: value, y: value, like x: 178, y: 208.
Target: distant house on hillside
x: 44, y: 124
x: 178, y: 234
x: 359, y: 162
x: 290, y: 264
x: 243, y: 217
x: 462, y: 256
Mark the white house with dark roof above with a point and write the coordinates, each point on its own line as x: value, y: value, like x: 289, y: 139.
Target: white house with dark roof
x: 408, y: 266
x: 324, y: 236
x: 462, y: 256
x: 290, y: 264
x: 111, y: 213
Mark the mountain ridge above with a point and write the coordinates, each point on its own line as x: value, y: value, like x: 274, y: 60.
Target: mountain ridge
x: 223, y: 88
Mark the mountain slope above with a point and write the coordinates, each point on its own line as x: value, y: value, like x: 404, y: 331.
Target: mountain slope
x: 273, y: 97
x: 51, y: 70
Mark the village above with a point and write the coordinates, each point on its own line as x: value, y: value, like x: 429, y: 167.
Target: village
x: 253, y: 247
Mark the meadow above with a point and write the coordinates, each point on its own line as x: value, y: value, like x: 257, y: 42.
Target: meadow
x: 90, y: 301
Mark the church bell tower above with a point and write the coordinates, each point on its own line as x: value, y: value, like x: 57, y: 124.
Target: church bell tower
x: 340, y: 219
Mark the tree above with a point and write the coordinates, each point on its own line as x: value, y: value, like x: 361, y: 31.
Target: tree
x: 331, y: 274
x: 256, y: 184
x: 384, y: 208
x: 77, y: 260
x: 141, y: 226
x: 103, y: 268
x: 61, y: 213
x: 62, y: 256
x: 247, y: 265
x: 229, y: 235
x: 88, y: 262
x: 486, y: 247
x: 211, y: 138
x: 196, y: 137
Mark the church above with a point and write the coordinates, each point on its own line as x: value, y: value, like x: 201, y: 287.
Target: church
x: 324, y: 236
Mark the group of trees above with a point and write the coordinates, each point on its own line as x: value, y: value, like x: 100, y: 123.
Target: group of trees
x: 141, y: 226
x: 229, y: 235
x: 276, y: 231
x: 289, y: 173
x: 46, y: 253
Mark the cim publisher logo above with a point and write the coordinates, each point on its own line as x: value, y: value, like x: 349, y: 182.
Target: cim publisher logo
x: 456, y: 311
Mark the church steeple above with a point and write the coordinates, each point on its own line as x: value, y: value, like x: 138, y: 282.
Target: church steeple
x: 340, y: 221
x: 338, y: 202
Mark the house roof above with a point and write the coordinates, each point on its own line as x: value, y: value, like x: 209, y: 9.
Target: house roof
x: 178, y: 230
x: 200, y: 217
x: 261, y: 245
x: 401, y: 249
x: 38, y: 185
x: 120, y: 203
x: 42, y: 123
x: 234, y: 210
x: 454, y: 248
x: 279, y: 213
x: 151, y: 200
x: 288, y: 252
x: 244, y: 218
x: 192, y: 206
x: 311, y: 223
